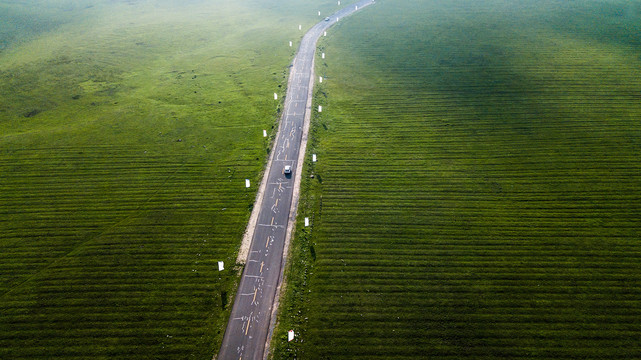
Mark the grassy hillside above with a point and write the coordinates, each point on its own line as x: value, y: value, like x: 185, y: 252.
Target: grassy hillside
x: 127, y: 129
x: 478, y: 186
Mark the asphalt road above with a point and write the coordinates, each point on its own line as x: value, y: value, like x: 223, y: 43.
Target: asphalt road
x: 248, y: 328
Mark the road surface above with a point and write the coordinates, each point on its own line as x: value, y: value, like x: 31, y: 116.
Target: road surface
x: 248, y: 328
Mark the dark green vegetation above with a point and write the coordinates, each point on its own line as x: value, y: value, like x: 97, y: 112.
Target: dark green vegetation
x: 478, y: 189
x: 127, y: 129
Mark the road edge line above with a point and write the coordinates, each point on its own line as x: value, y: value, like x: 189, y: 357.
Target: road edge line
x: 293, y: 209
x: 248, y: 235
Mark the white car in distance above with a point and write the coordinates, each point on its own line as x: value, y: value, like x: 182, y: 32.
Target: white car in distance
x: 287, y: 170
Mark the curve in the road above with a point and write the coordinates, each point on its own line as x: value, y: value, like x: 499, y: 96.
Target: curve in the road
x: 247, y: 331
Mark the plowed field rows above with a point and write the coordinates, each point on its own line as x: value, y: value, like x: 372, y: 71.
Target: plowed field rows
x: 113, y: 251
x: 478, y: 186
x: 127, y: 130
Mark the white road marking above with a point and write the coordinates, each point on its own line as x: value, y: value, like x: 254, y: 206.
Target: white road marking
x: 296, y: 105
x: 272, y: 226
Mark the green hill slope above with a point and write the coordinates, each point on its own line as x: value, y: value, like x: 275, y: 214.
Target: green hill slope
x: 478, y: 186
x: 127, y: 130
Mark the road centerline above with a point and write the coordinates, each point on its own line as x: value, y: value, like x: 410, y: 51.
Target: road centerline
x: 251, y: 342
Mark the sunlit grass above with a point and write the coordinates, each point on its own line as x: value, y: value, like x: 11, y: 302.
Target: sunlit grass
x: 127, y: 129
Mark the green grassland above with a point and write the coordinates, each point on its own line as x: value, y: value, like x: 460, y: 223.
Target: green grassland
x: 127, y: 129
x: 478, y: 186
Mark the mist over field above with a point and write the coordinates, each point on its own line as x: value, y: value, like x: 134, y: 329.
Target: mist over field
x: 477, y: 193
x: 127, y: 131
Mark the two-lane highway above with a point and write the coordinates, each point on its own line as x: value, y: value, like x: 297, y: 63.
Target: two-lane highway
x: 247, y: 331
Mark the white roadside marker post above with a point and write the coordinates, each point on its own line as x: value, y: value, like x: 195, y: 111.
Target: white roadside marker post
x: 313, y: 157
x: 320, y: 79
x: 300, y: 27
x: 306, y: 221
x: 323, y: 55
x: 320, y: 108
x: 324, y: 33
x: 339, y: 2
x: 221, y: 266
x: 264, y: 133
x: 290, y: 44
x: 247, y: 183
x: 319, y: 13
x: 290, y: 335
x: 275, y: 96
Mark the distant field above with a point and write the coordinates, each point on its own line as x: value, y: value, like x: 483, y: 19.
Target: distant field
x: 127, y: 130
x: 478, y: 186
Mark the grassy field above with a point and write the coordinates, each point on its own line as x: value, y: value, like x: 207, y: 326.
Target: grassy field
x: 127, y: 129
x: 478, y: 186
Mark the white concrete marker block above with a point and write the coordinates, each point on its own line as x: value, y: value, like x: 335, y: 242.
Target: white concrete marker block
x: 319, y: 13
x: 264, y: 133
x: 290, y: 335
x: 324, y: 33
x: 300, y: 27
x: 339, y: 2
x: 320, y: 79
x: 306, y: 221
x: 313, y: 157
x: 290, y: 44
x: 246, y: 182
x: 356, y: 7
x: 320, y: 108
x: 275, y: 96
x: 221, y: 266
x: 323, y: 55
